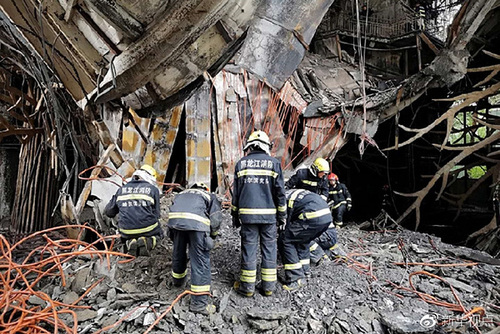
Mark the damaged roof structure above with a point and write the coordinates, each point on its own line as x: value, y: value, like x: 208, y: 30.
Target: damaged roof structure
x: 92, y: 89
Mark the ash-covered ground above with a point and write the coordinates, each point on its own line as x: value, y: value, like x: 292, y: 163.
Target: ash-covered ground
x: 367, y: 294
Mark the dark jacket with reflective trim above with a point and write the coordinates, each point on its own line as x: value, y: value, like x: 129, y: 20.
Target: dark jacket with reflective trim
x: 304, y: 179
x: 195, y: 210
x: 258, y: 189
x: 339, y: 194
x: 307, y: 207
x: 138, y: 203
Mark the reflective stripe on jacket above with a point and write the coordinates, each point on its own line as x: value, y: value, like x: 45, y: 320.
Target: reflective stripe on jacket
x: 307, y: 207
x: 304, y: 179
x: 195, y: 210
x: 138, y: 203
x: 258, y: 189
x: 338, y: 194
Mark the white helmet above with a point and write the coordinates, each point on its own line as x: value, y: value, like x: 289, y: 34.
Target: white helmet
x: 260, y: 140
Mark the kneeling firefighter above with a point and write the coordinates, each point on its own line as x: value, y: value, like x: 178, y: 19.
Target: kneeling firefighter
x: 194, y: 219
x: 138, y: 205
x: 308, y: 217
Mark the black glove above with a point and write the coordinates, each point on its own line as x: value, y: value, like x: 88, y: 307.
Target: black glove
x: 236, y: 221
x: 349, y: 206
x: 281, y: 224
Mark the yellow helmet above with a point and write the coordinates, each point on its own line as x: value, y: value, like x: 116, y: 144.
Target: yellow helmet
x: 320, y: 165
x: 260, y: 139
x: 201, y: 185
x: 150, y: 170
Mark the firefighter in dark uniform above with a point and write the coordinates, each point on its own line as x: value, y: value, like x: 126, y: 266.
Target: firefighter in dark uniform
x: 194, y: 219
x: 258, y: 206
x: 339, y: 200
x: 312, y: 178
x: 308, y: 217
x: 420, y: 15
x: 138, y: 205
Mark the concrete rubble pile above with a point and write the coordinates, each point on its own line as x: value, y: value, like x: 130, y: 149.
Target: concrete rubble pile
x: 368, y: 293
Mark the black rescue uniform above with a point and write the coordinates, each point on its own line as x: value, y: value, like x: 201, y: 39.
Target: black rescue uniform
x: 138, y: 205
x: 324, y: 245
x: 308, y: 217
x: 338, y: 200
x: 258, y: 200
x: 304, y: 179
x: 194, y: 218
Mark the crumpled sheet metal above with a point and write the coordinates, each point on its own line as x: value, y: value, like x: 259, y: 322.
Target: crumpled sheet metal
x: 275, y: 46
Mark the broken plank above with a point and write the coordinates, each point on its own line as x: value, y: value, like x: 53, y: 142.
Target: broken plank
x: 80, y: 204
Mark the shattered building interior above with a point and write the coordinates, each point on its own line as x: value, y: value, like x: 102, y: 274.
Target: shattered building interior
x: 405, y: 108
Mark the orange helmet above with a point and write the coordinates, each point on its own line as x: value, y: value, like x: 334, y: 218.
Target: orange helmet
x: 333, y: 176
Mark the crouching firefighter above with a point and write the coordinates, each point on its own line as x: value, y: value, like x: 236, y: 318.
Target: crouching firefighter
x: 138, y: 205
x: 308, y: 217
x: 258, y: 205
x: 194, y: 219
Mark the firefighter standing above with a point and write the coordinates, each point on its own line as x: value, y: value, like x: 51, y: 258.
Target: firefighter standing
x: 138, y: 205
x: 420, y: 14
x: 308, y: 217
x: 339, y: 199
x: 194, y: 219
x: 258, y: 205
x: 312, y: 178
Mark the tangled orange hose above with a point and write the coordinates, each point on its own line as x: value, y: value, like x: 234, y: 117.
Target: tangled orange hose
x: 20, y: 281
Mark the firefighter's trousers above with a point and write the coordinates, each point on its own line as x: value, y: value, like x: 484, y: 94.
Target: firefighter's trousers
x: 338, y: 213
x: 294, y: 247
x: 200, y: 244
x: 253, y: 235
x: 322, y: 244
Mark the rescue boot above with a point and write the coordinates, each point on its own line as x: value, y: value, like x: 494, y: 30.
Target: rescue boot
x: 245, y: 293
x: 131, y: 245
x: 146, y: 245
x: 207, y: 310
x: 142, y: 246
x: 323, y: 259
x: 178, y: 282
x: 264, y: 292
x: 337, y: 253
x: 295, y: 285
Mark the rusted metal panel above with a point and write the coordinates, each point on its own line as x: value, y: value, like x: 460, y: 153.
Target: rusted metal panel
x: 134, y: 136
x: 316, y: 132
x: 161, y: 141
x: 198, y: 139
